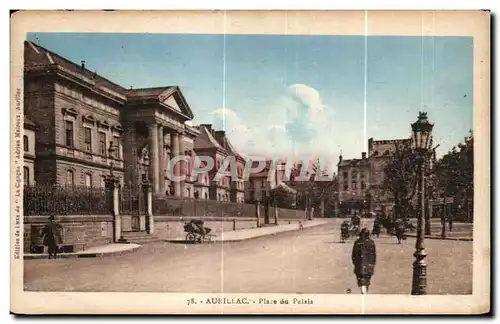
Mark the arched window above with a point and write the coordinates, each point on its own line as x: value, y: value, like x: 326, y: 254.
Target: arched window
x: 26, y: 176
x: 70, y: 178
x: 26, y: 144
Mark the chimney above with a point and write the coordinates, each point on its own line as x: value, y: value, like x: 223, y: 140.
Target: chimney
x: 370, y: 145
x: 83, y: 65
x: 363, y: 155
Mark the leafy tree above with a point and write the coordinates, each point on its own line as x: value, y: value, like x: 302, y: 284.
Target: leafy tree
x: 284, y: 197
x: 401, y: 179
x: 313, y: 193
x: 455, y: 174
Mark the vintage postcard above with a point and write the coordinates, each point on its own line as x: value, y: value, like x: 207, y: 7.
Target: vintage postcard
x: 250, y: 162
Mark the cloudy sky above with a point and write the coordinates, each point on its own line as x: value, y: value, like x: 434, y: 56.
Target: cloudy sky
x: 277, y: 94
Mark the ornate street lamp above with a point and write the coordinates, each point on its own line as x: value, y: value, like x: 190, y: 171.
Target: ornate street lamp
x: 421, y: 143
x: 111, y: 178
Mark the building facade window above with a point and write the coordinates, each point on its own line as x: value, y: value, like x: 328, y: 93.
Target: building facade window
x: 363, y: 185
x: 69, y: 133
x: 116, y: 143
x: 26, y: 173
x: 88, y: 180
x: 26, y: 143
x: 345, y: 175
x: 87, y: 138
x: 346, y: 186
x: 102, y: 143
x: 70, y: 178
x: 354, y: 185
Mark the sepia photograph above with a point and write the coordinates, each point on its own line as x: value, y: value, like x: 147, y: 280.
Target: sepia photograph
x: 250, y: 162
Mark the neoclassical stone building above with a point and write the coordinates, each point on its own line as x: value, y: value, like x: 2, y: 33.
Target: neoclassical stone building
x: 29, y: 152
x: 87, y: 125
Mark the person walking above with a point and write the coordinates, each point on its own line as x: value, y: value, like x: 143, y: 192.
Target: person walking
x: 344, y: 231
x: 376, y: 227
x: 364, y: 258
x: 51, y: 234
x: 399, y: 229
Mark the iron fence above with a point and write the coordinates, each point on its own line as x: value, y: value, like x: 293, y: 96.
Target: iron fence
x: 173, y: 206
x: 132, y: 201
x: 65, y: 200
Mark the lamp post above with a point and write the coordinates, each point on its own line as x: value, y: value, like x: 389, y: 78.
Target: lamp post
x: 111, y: 150
x: 111, y: 176
x: 421, y: 142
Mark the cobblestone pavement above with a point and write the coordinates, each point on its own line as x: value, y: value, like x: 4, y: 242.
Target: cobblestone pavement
x: 307, y: 261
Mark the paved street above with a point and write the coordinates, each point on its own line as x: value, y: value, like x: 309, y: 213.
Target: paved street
x: 309, y: 261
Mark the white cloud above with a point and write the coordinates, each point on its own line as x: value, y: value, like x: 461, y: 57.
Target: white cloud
x: 299, y: 109
x: 307, y: 96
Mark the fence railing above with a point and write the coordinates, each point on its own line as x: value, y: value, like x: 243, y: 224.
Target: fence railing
x: 75, y: 200
x: 65, y: 200
x: 132, y: 201
x: 171, y: 206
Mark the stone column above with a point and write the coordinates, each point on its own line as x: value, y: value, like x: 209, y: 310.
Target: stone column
x: 153, y: 162
x: 182, y: 166
x: 174, y: 139
x: 161, y: 159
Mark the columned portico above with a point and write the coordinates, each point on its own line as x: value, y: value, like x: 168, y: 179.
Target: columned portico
x: 175, y: 139
x: 161, y: 158
x: 159, y: 115
x: 182, y: 167
x: 154, y: 163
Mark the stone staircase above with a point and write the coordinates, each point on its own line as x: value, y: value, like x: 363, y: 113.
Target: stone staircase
x: 140, y: 237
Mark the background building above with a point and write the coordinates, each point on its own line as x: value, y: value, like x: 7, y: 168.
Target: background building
x: 379, y: 153
x: 361, y: 182
x: 260, y: 184
x: 353, y: 179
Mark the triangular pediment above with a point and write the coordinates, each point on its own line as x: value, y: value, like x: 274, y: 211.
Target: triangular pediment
x: 170, y: 101
x: 173, y: 99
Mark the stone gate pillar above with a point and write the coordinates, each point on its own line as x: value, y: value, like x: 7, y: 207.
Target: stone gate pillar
x: 154, y: 159
x: 257, y: 213
x: 149, y: 223
x: 112, y: 185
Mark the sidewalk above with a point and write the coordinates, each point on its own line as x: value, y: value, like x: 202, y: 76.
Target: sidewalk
x: 438, y: 237
x: 232, y: 236
x: 96, y: 251
x: 245, y: 234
